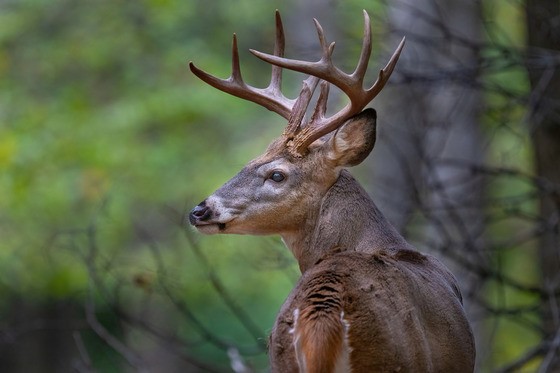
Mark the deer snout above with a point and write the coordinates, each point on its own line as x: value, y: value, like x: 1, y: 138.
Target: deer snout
x: 200, y: 213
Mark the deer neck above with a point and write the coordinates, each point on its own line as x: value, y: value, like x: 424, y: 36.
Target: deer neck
x: 346, y: 220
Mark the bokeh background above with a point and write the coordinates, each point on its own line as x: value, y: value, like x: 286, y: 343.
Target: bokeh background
x: 106, y: 139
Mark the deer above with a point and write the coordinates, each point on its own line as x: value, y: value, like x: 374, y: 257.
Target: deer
x: 367, y: 300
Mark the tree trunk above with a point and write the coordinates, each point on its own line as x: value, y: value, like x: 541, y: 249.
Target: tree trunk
x: 38, y: 337
x: 543, y: 51
x: 429, y: 133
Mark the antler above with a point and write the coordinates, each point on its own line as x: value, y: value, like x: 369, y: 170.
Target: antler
x: 298, y: 137
x: 270, y: 97
x: 350, y: 84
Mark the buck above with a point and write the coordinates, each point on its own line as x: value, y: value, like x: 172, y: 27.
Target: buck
x: 366, y: 301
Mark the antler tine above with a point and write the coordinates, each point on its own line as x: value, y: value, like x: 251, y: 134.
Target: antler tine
x: 386, y: 72
x: 235, y: 67
x: 308, y: 87
x: 270, y: 97
x: 300, y: 107
x: 321, y: 107
x: 279, y: 45
x: 361, y: 68
x: 326, y: 49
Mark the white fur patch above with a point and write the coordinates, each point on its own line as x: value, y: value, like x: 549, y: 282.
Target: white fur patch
x: 219, y: 209
x: 296, y: 342
x: 343, y: 363
x: 296, y: 317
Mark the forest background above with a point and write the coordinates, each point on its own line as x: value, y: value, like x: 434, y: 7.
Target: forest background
x: 106, y: 139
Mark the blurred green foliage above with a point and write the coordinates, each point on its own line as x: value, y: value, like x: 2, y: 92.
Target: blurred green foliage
x: 106, y: 138
x: 97, y: 104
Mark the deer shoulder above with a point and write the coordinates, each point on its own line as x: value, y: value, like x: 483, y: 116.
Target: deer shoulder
x: 378, y: 306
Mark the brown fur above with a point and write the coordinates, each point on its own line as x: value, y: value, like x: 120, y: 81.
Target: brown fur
x: 403, y: 316
x: 403, y: 307
x: 319, y: 331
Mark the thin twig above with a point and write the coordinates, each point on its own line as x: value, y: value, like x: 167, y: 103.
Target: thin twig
x: 127, y: 353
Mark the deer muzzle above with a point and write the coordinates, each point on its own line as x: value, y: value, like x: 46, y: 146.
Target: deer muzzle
x: 200, y: 214
x: 205, y: 220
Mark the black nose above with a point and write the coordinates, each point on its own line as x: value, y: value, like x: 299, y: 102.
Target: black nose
x: 199, y: 213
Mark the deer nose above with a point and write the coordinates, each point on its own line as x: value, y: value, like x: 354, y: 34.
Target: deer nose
x: 199, y: 213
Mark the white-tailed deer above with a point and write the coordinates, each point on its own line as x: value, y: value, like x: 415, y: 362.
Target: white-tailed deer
x: 367, y: 301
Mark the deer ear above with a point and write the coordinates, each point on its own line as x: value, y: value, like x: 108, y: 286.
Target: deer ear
x: 353, y: 142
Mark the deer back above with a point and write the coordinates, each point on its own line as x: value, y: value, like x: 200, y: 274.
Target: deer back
x: 383, y: 312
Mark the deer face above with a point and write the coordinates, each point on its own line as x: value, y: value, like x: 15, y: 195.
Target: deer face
x: 277, y: 191
x: 267, y: 196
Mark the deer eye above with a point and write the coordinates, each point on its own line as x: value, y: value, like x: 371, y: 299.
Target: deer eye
x: 277, y: 176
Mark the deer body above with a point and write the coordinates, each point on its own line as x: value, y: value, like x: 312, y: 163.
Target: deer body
x: 381, y: 310
x: 389, y: 307
x: 367, y: 301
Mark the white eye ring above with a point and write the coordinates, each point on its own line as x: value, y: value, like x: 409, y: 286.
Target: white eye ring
x: 277, y: 176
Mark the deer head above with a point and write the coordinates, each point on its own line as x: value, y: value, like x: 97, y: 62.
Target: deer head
x: 278, y: 191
